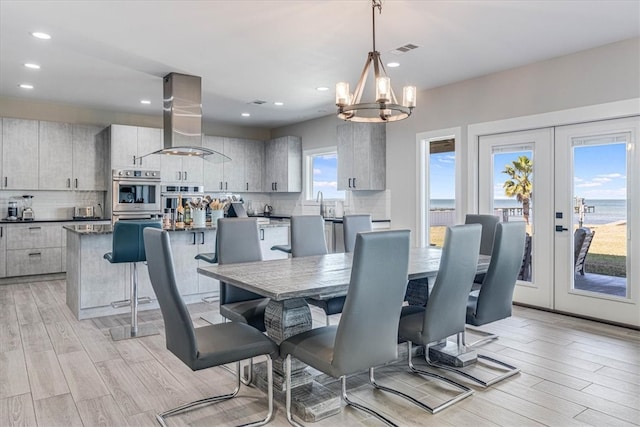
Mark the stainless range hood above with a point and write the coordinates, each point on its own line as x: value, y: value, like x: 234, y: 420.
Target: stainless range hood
x: 183, y: 119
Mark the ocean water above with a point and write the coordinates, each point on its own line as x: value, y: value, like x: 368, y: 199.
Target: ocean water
x: 605, y: 211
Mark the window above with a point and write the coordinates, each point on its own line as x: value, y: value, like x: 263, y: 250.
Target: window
x: 321, y: 174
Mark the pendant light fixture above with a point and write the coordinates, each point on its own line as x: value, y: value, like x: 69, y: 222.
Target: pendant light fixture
x: 386, y: 107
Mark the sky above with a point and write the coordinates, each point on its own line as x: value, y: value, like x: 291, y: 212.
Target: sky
x: 325, y: 177
x: 599, y: 172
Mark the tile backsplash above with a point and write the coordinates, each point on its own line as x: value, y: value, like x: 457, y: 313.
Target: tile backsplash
x: 53, y: 204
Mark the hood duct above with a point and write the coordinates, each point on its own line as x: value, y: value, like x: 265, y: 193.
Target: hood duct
x: 182, y: 112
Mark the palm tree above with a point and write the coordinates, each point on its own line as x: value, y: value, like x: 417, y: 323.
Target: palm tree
x: 519, y: 184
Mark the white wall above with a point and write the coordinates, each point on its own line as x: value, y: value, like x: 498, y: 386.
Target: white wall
x: 595, y: 76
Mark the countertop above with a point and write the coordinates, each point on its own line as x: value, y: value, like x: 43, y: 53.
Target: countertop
x: 38, y: 220
x: 327, y: 219
x: 87, y: 229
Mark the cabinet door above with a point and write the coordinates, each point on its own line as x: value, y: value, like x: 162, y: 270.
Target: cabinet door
x: 270, y: 236
x: 170, y: 169
x: 55, y: 152
x: 89, y: 162
x: 124, y: 147
x: 213, y: 169
x: 192, y: 172
x: 20, y: 154
x: 360, y: 167
x: 269, y: 166
x: 345, y: 156
x: 207, y: 284
x: 149, y: 140
x: 234, y: 169
x: 253, y: 161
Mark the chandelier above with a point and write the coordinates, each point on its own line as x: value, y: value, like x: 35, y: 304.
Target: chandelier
x: 386, y: 107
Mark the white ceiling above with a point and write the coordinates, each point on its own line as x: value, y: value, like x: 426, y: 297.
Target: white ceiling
x: 112, y: 54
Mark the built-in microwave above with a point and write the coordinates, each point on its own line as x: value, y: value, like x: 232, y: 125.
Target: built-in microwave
x: 135, y: 192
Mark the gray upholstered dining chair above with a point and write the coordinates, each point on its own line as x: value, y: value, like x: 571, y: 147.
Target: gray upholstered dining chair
x: 205, y: 347
x: 366, y: 336
x: 494, y: 299
x: 352, y: 225
x: 307, y: 236
x: 444, y: 314
x: 488, y: 223
x: 238, y: 240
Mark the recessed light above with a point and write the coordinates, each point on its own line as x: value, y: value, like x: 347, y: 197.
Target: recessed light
x: 322, y: 89
x: 145, y: 101
x: 278, y: 103
x: 393, y: 64
x: 39, y: 35
x: 246, y: 115
x: 26, y: 86
x: 33, y: 66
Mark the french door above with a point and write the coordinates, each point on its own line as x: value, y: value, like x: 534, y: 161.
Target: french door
x: 583, y: 216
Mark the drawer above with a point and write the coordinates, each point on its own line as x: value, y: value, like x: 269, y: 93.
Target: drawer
x: 27, y: 236
x: 24, y: 262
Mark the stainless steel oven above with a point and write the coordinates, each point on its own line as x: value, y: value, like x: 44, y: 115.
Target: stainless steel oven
x: 135, y: 194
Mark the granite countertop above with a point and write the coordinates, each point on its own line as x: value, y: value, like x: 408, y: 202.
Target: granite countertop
x: 37, y: 220
x: 108, y: 228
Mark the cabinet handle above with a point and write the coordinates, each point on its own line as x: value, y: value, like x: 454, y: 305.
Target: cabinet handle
x: 220, y: 185
x: 349, y: 182
x: 5, y: 181
x: 134, y: 160
x: 68, y: 182
x: 194, y: 237
x: 179, y: 175
x: 276, y: 186
x: 226, y: 186
x: 1, y: 231
x: 272, y: 186
x: 354, y: 183
x: 35, y: 254
x: 35, y: 228
x: 202, y: 243
x: 247, y: 186
x: 262, y: 234
x: 185, y: 176
x: 76, y: 182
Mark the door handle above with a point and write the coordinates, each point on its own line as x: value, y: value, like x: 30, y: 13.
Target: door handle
x: 560, y: 228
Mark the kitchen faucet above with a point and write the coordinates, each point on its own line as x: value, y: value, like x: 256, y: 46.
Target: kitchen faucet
x: 320, y: 198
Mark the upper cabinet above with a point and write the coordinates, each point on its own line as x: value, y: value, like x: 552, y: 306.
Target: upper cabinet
x: 19, y: 154
x: 129, y: 143
x: 181, y: 170
x: 242, y: 173
x: 361, y: 156
x: 283, y: 165
x: 89, y: 158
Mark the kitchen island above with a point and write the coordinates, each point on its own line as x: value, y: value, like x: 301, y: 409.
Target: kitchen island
x: 95, y: 286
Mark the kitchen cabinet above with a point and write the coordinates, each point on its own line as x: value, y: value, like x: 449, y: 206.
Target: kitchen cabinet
x: 181, y: 170
x: 72, y: 157
x: 243, y: 173
x: 128, y: 143
x: 19, y: 154
x: 283, y: 165
x: 361, y: 156
x: 34, y: 248
x: 271, y: 236
x: 89, y: 153
x: 55, y: 151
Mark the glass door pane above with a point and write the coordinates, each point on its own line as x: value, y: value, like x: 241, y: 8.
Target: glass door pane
x: 442, y: 185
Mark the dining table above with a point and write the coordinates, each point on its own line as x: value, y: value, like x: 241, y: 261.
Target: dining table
x: 287, y: 282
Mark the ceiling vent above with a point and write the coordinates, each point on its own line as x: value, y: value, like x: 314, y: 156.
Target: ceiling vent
x: 403, y: 49
x: 258, y: 102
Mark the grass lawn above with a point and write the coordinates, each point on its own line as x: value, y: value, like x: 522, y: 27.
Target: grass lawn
x: 607, y: 254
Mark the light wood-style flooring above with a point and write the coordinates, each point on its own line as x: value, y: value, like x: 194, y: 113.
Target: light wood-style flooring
x: 58, y: 371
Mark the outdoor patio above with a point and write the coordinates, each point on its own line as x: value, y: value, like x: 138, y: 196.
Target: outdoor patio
x: 609, y: 285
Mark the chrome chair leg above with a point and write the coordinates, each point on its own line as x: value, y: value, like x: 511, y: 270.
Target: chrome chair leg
x: 366, y: 409
x: 465, y: 391
x: 488, y: 337
x: 511, y: 370
x: 220, y: 398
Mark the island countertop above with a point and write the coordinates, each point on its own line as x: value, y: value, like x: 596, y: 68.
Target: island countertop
x: 108, y: 228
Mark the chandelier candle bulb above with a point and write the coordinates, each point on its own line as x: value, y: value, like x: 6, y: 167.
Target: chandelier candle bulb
x: 409, y: 96
x: 342, y: 94
x: 383, y: 87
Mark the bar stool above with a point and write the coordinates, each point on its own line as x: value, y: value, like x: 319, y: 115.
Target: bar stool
x: 128, y: 246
